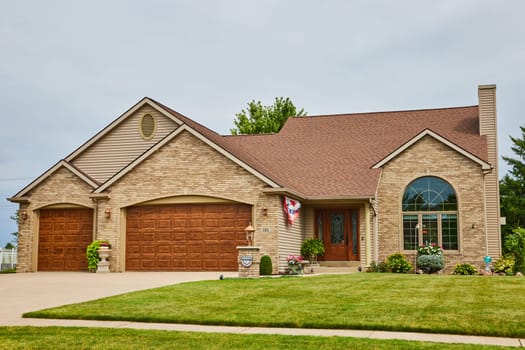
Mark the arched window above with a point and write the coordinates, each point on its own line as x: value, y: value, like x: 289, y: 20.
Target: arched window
x: 430, y: 214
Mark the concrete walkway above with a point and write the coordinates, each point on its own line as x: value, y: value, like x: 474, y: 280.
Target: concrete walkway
x: 25, y: 292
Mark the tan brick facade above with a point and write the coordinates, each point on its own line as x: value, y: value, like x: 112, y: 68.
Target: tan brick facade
x: 429, y: 157
x: 186, y: 166
x: 63, y: 189
x: 188, y: 163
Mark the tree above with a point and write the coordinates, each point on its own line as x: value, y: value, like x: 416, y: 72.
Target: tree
x: 259, y: 119
x: 512, y: 186
x: 15, y: 234
x: 512, y: 199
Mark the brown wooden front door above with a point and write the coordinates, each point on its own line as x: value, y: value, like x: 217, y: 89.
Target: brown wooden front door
x: 338, y: 229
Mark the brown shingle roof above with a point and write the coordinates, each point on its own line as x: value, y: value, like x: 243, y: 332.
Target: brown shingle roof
x: 333, y: 155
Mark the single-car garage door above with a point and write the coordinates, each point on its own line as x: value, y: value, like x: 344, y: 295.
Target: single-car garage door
x: 185, y: 237
x: 63, y: 237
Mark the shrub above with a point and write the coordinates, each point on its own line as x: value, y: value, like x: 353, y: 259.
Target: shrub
x: 397, y: 263
x: 430, y: 263
x: 92, y: 253
x: 504, y: 265
x: 465, y: 269
x: 377, y: 267
x: 265, y: 268
x: 514, y: 246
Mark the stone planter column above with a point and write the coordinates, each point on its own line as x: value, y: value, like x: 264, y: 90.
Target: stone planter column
x: 249, y: 259
x: 103, y: 264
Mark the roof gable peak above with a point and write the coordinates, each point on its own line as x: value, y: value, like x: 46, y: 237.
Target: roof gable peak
x: 427, y: 132
x: 61, y: 164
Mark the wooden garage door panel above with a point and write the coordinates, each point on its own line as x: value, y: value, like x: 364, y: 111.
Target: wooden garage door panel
x: 193, y: 237
x: 63, y: 237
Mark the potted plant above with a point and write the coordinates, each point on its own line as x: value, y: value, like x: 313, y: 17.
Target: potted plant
x: 92, y: 253
x: 312, y: 248
x: 294, y: 265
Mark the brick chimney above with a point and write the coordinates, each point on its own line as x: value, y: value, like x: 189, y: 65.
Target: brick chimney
x: 488, y: 127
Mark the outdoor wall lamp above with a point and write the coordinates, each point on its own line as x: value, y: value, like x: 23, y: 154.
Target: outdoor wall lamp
x: 250, y: 234
x: 107, y: 212
x: 23, y: 216
x: 264, y: 211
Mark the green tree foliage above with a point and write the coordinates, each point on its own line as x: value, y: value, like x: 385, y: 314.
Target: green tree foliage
x: 512, y: 186
x: 514, y: 248
x: 16, y: 218
x: 259, y: 119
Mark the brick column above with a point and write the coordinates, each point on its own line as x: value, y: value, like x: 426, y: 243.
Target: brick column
x: 249, y: 259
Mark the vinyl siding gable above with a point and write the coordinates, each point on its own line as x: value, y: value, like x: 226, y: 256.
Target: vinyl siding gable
x: 122, y: 145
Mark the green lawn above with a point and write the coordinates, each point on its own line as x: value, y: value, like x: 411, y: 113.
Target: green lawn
x: 492, y: 306
x: 106, y: 338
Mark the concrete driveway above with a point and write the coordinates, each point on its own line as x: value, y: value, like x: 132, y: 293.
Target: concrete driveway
x: 23, y: 292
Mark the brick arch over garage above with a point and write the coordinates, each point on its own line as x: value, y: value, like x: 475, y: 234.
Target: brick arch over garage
x: 64, y: 232
x: 185, y: 233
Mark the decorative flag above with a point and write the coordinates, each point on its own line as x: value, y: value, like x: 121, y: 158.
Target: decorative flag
x: 291, y: 208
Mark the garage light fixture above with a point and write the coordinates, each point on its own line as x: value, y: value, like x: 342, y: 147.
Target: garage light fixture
x: 250, y: 234
x: 22, y: 216
x: 107, y: 212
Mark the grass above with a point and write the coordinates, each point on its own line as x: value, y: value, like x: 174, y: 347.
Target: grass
x: 419, y: 303
x: 106, y: 338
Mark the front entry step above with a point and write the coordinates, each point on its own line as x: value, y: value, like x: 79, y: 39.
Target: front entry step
x: 333, y: 267
x: 340, y: 263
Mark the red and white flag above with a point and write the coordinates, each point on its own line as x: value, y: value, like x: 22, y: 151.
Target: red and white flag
x: 291, y: 208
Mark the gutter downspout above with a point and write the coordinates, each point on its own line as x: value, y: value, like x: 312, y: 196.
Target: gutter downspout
x: 373, y: 204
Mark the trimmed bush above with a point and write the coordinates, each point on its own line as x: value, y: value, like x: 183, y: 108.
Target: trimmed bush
x: 430, y: 263
x: 504, y: 265
x: 397, y: 263
x: 465, y: 269
x: 377, y: 267
x: 265, y: 268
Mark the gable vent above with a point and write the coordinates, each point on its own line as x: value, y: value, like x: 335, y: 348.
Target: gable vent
x: 147, y: 126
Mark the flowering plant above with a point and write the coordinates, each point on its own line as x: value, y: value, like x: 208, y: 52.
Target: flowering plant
x: 105, y: 244
x: 294, y: 260
x: 294, y: 264
x: 429, y: 249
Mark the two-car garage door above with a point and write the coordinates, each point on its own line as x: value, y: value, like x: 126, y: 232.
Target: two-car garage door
x: 185, y: 237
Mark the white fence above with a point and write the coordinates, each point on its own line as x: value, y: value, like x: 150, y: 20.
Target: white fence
x: 8, y: 259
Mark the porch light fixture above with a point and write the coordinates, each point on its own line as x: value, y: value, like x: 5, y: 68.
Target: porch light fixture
x: 250, y: 234
x: 22, y: 216
x: 264, y: 211
x: 107, y: 212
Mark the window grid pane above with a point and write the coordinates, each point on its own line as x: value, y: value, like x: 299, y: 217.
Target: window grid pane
x: 449, y: 231
x: 429, y: 199
x: 430, y: 229
x: 429, y: 194
x: 409, y: 232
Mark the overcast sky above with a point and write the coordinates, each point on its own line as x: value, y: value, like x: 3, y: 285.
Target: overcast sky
x: 68, y: 68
